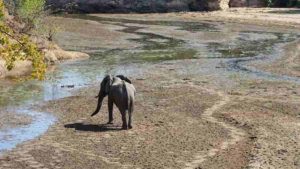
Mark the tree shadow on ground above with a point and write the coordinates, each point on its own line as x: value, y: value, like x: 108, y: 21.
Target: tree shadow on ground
x: 288, y: 11
x: 93, y: 127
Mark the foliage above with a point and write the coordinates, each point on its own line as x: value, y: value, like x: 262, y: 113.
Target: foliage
x: 30, y: 13
x: 14, y: 47
x: 293, y: 3
x: 281, y: 3
x: 269, y: 2
x: 1, y: 9
x: 33, y: 13
x: 10, y: 5
x: 47, y: 28
x: 31, y: 7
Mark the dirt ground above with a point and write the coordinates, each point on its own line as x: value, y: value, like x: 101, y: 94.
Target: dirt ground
x: 256, y: 125
x: 179, y: 121
x: 11, y: 119
x: 104, y: 36
x: 279, y: 17
x: 161, y: 137
x: 287, y: 64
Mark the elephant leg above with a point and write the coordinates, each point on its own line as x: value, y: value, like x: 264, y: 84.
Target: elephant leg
x: 110, y: 111
x: 129, y: 120
x: 124, y: 126
x: 130, y: 111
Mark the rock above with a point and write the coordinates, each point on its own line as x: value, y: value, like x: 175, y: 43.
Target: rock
x: 246, y: 3
x: 253, y: 137
x: 238, y: 3
x: 21, y: 68
x: 141, y: 78
x: 67, y: 86
x: 50, y: 57
x: 57, y: 54
x: 140, y: 6
x: 282, y: 151
x: 218, y: 4
x: 2, y: 69
x: 67, y: 55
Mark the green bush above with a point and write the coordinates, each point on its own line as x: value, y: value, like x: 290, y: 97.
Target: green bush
x: 30, y: 13
x: 1, y: 9
x: 30, y: 8
x: 282, y: 3
x: 269, y: 2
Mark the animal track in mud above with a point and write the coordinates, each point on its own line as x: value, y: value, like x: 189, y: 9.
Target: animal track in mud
x: 235, y: 134
x: 24, y: 156
x: 66, y: 146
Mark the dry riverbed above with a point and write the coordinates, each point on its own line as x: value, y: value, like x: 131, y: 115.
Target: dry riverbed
x: 188, y: 113
x: 178, y: 123
x: 170, y: 130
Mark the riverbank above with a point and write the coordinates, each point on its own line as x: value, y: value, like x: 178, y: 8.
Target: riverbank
x: 52, y: 56
x: 24, y: 68
x: 12, y: 119
x: 281, y: 17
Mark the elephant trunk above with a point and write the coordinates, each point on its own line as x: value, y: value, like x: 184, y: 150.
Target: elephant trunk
x: 100, y: 99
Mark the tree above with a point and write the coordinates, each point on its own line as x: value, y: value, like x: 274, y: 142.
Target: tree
x: 30, y: 13
x: 15, y: 46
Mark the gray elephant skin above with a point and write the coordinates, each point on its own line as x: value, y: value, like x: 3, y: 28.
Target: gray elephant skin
x: 120, y: 92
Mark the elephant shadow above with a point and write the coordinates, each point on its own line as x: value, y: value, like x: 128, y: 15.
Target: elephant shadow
x: 93, y: 127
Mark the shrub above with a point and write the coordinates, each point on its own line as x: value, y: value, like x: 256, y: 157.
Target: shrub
x: 15, y: 47
x: 30, y: 12
x: 282, y: 3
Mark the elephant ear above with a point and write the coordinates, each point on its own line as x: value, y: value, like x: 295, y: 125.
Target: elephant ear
x: 105, y: 85
x: 108, y: 83
x: 122, y: 77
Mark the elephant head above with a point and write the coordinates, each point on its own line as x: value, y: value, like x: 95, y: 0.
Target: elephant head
x: 122, y: 77
x: 104, y: 91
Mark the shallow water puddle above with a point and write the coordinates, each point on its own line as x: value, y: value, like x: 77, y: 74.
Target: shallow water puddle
x: 40, y: 122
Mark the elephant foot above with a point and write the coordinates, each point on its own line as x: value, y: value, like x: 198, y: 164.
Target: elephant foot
x: 124, y: 127
x: 110, y: 122
x: 130, y: 126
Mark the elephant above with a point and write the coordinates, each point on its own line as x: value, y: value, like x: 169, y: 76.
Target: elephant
x: 121, y: 92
